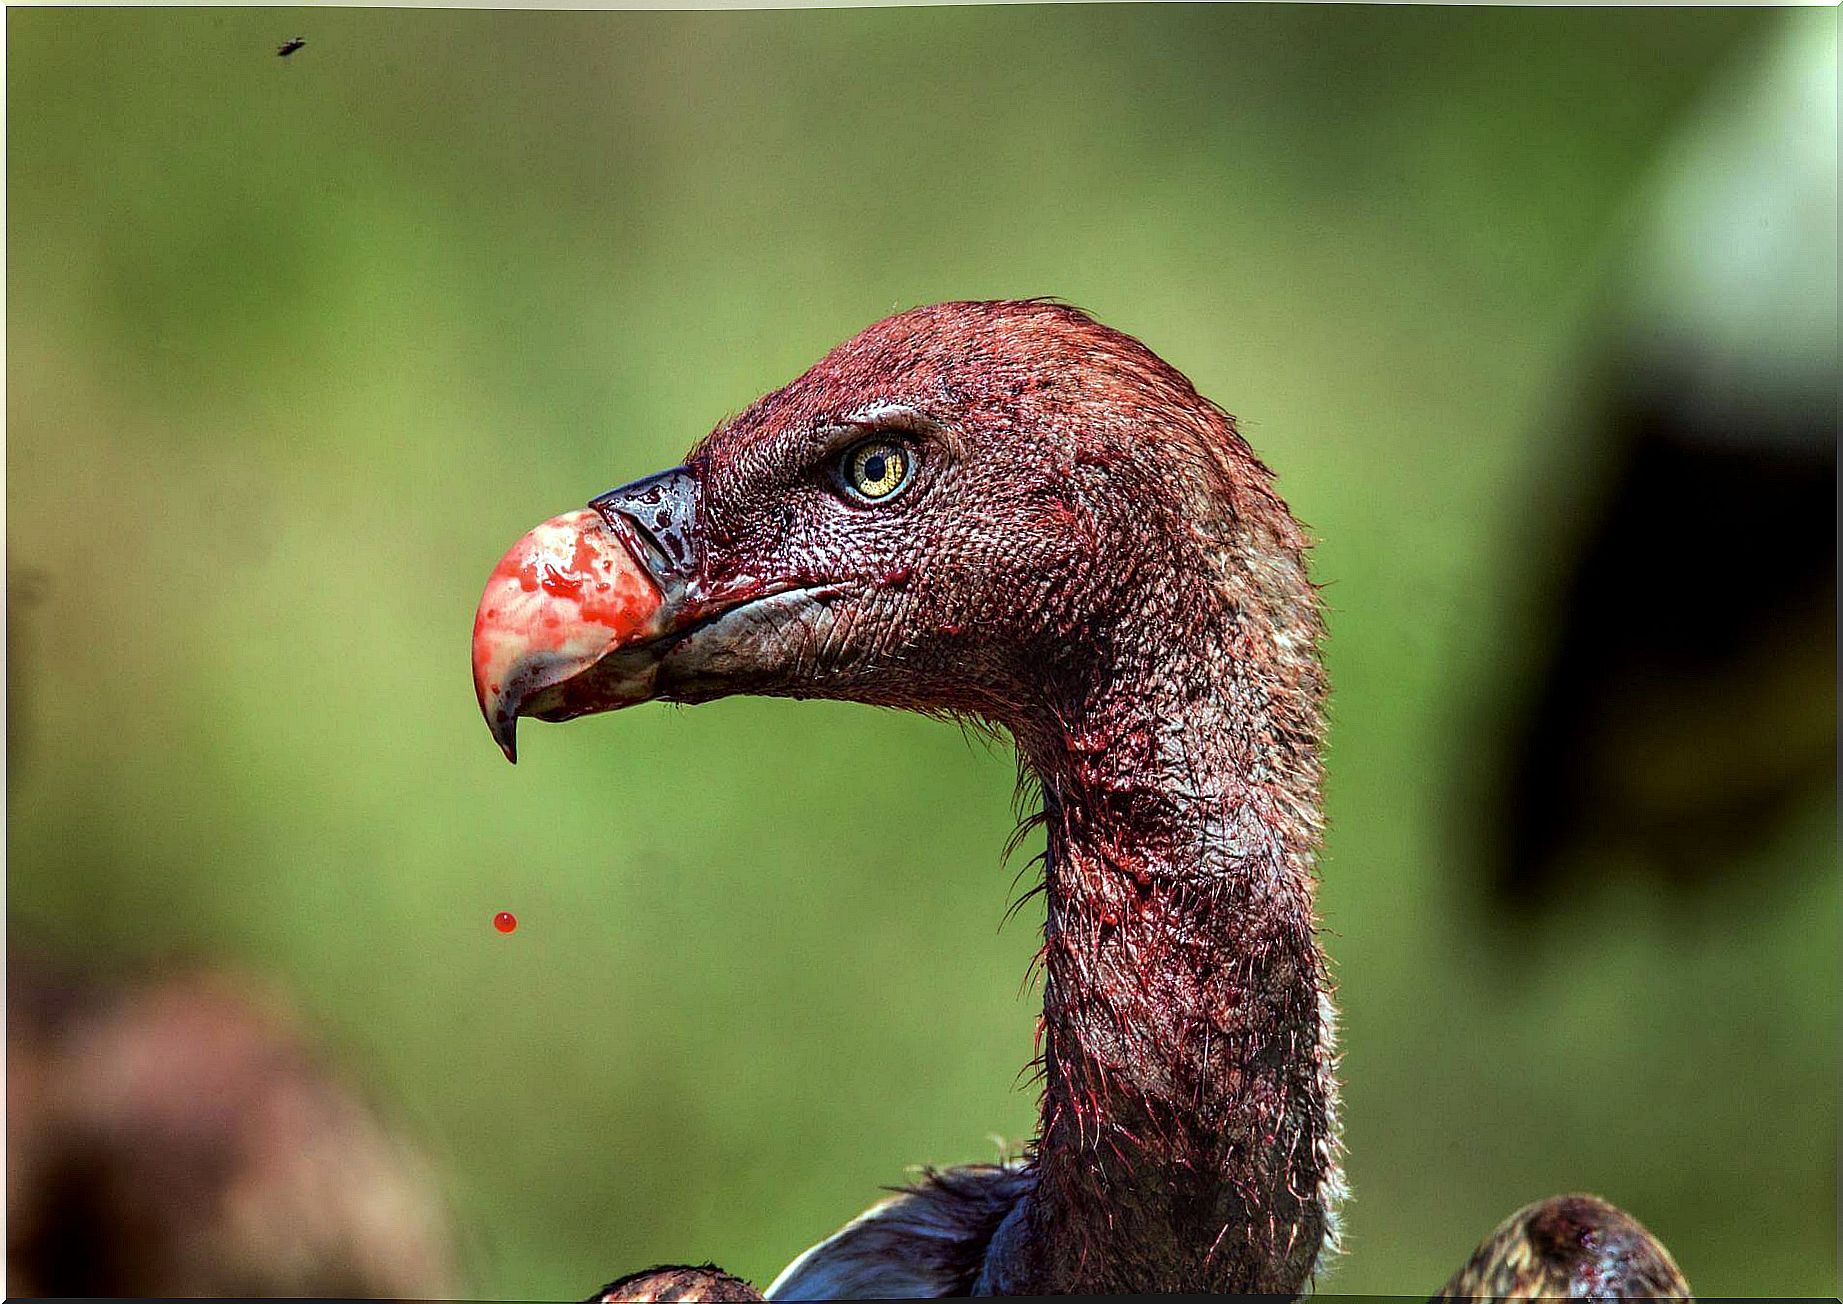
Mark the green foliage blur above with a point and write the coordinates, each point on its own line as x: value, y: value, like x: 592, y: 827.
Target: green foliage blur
x: 296, y: 347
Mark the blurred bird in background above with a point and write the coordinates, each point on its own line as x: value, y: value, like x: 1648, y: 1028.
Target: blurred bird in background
x: 181, y: 1134
x: 1684, y: 699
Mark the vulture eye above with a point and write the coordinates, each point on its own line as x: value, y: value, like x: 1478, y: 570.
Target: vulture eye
x: 876, y: 469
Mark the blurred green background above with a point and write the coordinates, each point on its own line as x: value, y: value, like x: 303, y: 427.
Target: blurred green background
x: 297, y: 347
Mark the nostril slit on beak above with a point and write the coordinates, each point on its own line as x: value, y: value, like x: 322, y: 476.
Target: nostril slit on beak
x: 659, y: 513
x: 627, y: 525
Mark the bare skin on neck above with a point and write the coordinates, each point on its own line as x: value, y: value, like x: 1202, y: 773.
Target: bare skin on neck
x: 1185, y: 1022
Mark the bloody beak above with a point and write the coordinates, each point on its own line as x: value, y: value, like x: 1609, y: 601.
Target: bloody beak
x: 577, y: 615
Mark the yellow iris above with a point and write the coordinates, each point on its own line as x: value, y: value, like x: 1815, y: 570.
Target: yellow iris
x: 876, y: 468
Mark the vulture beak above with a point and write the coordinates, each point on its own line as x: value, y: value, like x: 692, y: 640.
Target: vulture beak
x: 578, y: 615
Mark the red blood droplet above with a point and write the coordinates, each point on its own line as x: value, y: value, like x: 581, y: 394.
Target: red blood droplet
x: 505, y: 921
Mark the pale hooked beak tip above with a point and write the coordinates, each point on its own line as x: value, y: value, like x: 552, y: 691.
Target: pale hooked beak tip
x: 501, y: 713
x: 575, y: 590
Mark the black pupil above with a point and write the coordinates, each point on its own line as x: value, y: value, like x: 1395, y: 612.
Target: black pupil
x: 874, y: 466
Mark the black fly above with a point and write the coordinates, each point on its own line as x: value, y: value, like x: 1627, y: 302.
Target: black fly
x: 290, y: 45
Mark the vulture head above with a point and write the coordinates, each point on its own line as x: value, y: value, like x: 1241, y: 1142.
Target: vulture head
x: 970, y: 509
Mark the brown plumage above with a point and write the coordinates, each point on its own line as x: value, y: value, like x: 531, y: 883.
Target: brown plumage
x: 708, y: 1284
x: 1569, y: 1247
x: 182, y: 1134
x: 1009, y: 513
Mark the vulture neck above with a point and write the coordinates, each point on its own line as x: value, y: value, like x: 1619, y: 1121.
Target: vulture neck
x: 1188, y: 1132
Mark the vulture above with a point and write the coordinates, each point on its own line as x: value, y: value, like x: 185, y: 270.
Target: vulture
x: 1654, y: 737
x: 179, y: 1131
x: 1008, y: 513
